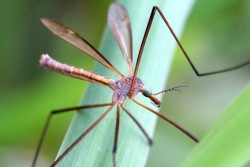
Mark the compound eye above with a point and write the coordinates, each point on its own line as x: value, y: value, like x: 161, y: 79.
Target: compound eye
x: 147, y: 92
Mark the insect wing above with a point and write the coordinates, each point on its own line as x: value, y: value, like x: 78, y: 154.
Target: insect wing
x: 76, y: 40
x: 119, y: 23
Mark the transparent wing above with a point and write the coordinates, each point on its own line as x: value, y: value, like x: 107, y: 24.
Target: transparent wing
x: 76, y: 40
x: 119, y: 23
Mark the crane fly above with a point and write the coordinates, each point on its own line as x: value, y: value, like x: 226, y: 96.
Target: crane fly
x: 127, y: 86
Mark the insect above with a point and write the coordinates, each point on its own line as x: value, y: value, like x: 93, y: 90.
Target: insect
x: 129, y: 86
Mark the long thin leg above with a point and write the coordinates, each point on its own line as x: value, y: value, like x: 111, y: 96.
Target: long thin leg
x: 48, y: 121
x: 150, y: 141
x: 154, y: 9
x: 186, y: 55
x: 168, y: 120
x: 116, y: 134
x: 82, y: 136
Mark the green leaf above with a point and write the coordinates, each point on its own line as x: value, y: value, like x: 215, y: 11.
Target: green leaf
x: 96, y: 148
x: 228, y: 142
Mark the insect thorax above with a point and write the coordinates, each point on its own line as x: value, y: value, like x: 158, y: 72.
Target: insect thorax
x: 122, y: 87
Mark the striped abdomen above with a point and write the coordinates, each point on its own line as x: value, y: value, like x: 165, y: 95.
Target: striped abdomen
x: 50, y: 64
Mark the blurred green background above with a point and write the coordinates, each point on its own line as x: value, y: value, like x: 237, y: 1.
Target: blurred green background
x: 217, y: 35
